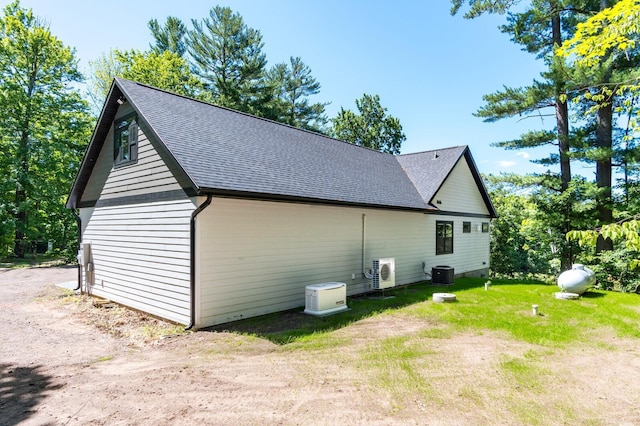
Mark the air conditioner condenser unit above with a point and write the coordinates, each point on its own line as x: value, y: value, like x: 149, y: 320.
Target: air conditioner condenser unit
x: 384, y: 273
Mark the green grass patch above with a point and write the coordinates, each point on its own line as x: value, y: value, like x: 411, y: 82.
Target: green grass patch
x: 30, y: 261
x: 395, y: 364
x: 505, y: 308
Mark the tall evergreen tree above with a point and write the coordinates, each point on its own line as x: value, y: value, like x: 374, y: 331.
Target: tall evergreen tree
x: 227, y: 55
x: 541, y: 29
x: 293, y: 85
x: 44, y: 126
x: 169, y: 37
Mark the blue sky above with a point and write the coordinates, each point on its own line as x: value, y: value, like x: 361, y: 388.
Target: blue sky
x: 429, y: 68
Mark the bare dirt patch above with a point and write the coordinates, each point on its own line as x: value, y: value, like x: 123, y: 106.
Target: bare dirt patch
x: 65, y: 363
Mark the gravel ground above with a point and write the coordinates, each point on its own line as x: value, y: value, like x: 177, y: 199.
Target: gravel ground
x: 64, y: 362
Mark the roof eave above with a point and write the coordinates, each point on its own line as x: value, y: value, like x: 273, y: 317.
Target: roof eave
x: 103, y: 124
x: 109, y: 110
x: 247, y: 195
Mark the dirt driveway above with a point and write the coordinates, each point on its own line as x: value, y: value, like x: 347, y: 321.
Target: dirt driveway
x: 57, y: 370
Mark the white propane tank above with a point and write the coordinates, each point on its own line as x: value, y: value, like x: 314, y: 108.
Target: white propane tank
x: 577, y: 279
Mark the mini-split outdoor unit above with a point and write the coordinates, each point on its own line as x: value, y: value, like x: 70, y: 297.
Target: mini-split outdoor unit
x: 384, y: 273
x: 325, y: 299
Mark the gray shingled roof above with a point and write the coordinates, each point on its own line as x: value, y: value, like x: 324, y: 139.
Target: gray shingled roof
x: 429, y: 169
x: 221, y: 151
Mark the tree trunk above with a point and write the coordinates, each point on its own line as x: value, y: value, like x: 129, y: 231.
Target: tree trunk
x: 562, y: 124
x: 22, y: 180
x: 22, y: 166
x: 604, y: 142
x: 562, y: 110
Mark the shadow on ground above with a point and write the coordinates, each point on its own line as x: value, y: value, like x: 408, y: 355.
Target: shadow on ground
x: 21, y: 390
x: 288, y: 326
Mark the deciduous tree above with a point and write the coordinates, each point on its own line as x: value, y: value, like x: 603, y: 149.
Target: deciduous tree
x: 165, y: 70
x: 371, y: 127
x: 44, y: 127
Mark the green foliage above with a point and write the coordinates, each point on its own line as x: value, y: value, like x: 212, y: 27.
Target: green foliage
x: 517, y: 101
x: 43, y: 130
x: 227, y: 55
x: 528, y: 237
x: 220, y: 60
x: 164, y: 70
x: 604, y: 48
x: 615, y: 269
x: 101, y: 73
x: 516, y: 248
x: 293, y: 84
x: 612, y: 31
x: 371, y: 128
x: 478, y: 7
x: 170, y: 37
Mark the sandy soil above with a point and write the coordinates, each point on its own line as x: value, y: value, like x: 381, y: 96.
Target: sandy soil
x: 57, y: 368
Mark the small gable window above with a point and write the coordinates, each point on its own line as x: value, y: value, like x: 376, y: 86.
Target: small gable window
x: 444, y: 237
x: 125, y: 140
x: 485, y: 227
x: 466, y: 227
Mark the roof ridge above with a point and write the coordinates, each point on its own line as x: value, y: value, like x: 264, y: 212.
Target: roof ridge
x: 434, y: 150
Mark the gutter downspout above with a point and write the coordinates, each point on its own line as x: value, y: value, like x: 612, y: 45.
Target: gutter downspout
x: 79, y: 222
x: 192, y: 264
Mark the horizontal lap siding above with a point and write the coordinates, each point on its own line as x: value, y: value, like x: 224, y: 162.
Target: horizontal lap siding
x: 460, y: 193
x: 258, y: 257
x: 150, y: 174
x: 143, y: 263
x: 470, y: 251
x: 140, y: 251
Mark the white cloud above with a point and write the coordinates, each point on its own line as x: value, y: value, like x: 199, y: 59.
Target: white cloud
x: 522, y: 154
x: 506, y: 163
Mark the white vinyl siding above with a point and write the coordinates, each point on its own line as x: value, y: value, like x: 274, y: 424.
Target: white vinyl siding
x: 459, y: 193
x: 257, y: 257
x: 140, y: 250
x: 470, y: 250
x: 141, y: 256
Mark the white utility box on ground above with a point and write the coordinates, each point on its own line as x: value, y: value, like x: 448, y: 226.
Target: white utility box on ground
x: 325, y: 299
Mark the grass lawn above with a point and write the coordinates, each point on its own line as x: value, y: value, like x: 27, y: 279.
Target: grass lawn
x: 506, y: 307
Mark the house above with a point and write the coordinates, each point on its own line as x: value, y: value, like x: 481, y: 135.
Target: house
x: 203, y: 215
